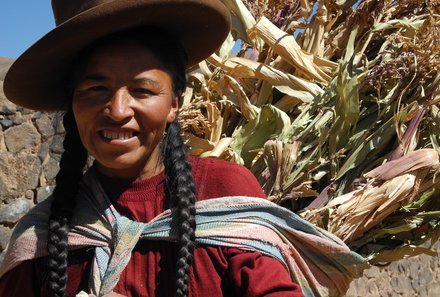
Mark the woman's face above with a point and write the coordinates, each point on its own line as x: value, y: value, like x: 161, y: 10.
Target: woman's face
x: 122, y: 104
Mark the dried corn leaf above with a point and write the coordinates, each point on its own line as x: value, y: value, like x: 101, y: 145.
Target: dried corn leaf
x: 269, y: 124
x: 408, y: 163
x: 357, y: 88
x: 314, y: 35
x: 390, y: 255
x: 280, y: 158
x: 197, y: 145
x: 306, y: 8
x: 221, y: 149
x: 346, y: 102
x: 412, y: 24
x: 242, y: 19
x: 226, y: 47
x: 244, y: 68
x: 286, y: 46
x: 248, y: 110
x: 369, y: 206
x: 215, y: 121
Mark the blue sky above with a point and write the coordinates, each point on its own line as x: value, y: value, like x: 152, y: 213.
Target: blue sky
x: 22, y: 22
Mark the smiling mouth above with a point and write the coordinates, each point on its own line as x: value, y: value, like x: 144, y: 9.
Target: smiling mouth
x: 111, y: 135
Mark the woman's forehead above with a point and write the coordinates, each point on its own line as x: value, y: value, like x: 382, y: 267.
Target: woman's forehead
x: 122, y: 57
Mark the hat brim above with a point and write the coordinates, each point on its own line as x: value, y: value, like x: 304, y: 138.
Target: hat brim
x: 37, y: 79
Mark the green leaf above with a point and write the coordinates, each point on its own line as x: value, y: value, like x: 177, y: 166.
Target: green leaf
x: 270, y: 123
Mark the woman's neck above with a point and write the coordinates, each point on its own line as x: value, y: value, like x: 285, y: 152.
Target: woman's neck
x: 145, y: 169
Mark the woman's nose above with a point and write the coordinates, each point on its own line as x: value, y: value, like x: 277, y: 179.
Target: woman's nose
x: 119, y: 108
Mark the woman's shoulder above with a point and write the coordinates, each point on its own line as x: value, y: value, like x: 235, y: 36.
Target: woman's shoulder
x: 217, y: 178
x: 215, y: 164
x: 211, y: 169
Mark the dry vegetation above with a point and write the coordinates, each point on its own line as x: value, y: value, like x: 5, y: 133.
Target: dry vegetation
x: 332, y: 104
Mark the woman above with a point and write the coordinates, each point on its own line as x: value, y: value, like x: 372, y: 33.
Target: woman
x: 124, y: 92
x: 119, y: 82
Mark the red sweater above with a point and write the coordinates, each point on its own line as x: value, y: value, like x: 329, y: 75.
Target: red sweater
x: 217, y: 271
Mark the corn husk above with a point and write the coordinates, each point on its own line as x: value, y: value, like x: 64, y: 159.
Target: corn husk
x: 334, y: 108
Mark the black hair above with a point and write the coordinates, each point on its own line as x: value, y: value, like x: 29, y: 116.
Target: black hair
x: 72, y: 163
x: 179, y: 185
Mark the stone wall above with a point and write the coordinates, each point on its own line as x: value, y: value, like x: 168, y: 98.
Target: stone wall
x: 30, y: 148
x: 417, y: 276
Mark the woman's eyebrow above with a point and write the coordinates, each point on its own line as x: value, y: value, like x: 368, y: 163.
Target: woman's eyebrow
x: 148, y: 81
x: 95, y: 77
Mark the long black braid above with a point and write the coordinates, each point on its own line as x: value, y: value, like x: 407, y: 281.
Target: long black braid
x: 179, y: 182
x: 72, y: 163
x: 181, y: 190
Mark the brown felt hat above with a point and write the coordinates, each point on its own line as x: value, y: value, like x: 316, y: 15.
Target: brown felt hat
x: 37, y: 79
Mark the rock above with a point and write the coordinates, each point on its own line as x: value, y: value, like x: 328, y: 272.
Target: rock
x: 11, y: 213
x: 6, y: 123
x: 414, y: 269
x: 434, y: 289
x: 44, y: 151
x: 37, y: 115
x: 56, y: 148
x: 372, y: 289
x: 18, y: 119
x: 361, y: 287
x: 18, y: 174
x: 43, y: 193
x: 415, y: 284
x: 22, y: 138
x: 44, y: 126
x: 393, y: 266
x: 351, y: 291
x: 2, y: 141
x: 372, y: 272
x: 50, y: 170
x: 29, y: 195
x: 423, y: 291
x: 26, y: 111
x: 384, y: 283
x: 425, y: 260
x: 403, y: 267
x: 5, y: 63
x: 6, y: 106
x: 57, y: 120
x: 5, y: 234
x: 425, y: 276
x: 401, y: 284
x: 393, y: 282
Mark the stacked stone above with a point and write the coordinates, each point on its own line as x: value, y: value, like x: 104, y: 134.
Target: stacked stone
x: 418, y: 276
x: 30, y: 149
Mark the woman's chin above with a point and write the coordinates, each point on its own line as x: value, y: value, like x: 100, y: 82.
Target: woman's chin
x: 127, y: 168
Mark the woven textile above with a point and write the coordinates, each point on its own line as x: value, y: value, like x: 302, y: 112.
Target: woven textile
x: 317, y: 260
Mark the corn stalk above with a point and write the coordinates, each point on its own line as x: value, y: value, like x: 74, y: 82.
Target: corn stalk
x: 333, y: 106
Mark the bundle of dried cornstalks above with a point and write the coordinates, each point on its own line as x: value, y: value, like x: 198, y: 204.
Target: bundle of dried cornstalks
x: 332, y: 104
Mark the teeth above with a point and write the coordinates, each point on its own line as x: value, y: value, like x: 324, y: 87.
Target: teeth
x: 117, y: 135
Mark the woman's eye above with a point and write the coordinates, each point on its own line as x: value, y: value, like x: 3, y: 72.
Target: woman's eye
x: 91, y: 90
x: 97, y: 88
x: 143, y: 91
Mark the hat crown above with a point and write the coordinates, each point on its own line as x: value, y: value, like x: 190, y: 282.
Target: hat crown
x: 64, y: 10
x: 37, y: 79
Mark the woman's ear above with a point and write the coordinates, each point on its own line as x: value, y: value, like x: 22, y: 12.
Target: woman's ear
x: 173, y: 110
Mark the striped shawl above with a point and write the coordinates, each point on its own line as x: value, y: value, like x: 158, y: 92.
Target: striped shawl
x: 317, y: 260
